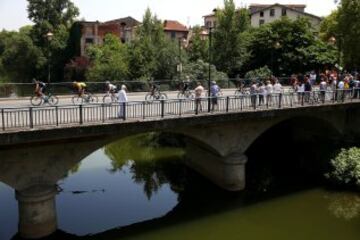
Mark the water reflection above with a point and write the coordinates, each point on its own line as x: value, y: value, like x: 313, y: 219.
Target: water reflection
x: 344, y: 205
x: 150, y: 164
x: 141, y: 185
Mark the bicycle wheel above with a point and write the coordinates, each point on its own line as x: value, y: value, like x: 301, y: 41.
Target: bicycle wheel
x: 149, y: 97
x: 180, y: 95
x: 237, y: 93
x: 107, y: 99
x: 163, y: 96
x: 36, y: 100
x: 53, y: 100
x: 92, y: 98
x: 190, y: 95
x: 76, y: 100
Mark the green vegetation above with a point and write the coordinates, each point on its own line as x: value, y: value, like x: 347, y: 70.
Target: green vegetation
x: 284, y: 46
x: 346, y: 168
x: 150, y: 160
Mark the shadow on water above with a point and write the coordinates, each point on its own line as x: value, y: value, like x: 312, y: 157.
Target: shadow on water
x: 280, y: 164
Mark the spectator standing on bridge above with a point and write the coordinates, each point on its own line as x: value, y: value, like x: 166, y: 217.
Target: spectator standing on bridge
x: 269, y: 92
x: 214, y: 93
x: 122, y: 101
x: 253, y: 93
x: 340, y: 90
x: 262, y: 93
x: 278, y: 89
x: 356, y: 85
x: 198, y: 94
x: 323, y: 88
x: 312, y: 78
x: 307, y: 88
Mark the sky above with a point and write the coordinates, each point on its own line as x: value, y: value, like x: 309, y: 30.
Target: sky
x: 13, y: 13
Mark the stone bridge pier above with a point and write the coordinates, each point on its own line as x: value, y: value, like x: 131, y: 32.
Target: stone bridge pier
x: 33, y: 172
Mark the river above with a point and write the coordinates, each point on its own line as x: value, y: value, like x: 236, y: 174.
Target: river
x: 138, y: 188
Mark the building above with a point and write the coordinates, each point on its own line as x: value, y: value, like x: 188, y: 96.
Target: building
x: 266, y: 13
x: 262, y: 14
x: 175, y: 30
x: 210, y: 20
x: 94, y: 32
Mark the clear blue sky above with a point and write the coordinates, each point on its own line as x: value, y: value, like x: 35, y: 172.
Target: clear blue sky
x: 13, y: 12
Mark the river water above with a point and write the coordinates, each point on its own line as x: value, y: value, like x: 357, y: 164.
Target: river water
x: 137, y: 189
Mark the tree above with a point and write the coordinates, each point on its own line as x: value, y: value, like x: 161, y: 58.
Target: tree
x: 229, y: 48
x: 54, y: 16
x: 20, y: 59
x: 198, y: 47
x: 329, y: 27
x: 108, y: 62
x: 289, y: 47
x: 152, y: 54
x: 348, y: 33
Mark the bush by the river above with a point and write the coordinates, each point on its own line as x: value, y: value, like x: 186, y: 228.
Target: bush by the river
x: 346, y: 168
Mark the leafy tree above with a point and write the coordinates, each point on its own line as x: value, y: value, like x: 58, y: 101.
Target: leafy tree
x: 329, y: 27
x: 260, y: 73
x: 20, y: 59
x: 348, y: 30
x: 229, y: 49
x: 54, y: 16
x: 288, y: 47
x: 109, y: 61
x: 346, y: 168
x: 199, y: 71
x: 198, y: 48
x: 152, y: 54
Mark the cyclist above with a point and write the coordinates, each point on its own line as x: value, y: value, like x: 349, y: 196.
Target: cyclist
x: 111, y: 88
x: 154, y: 88
x: 80, y: 87
x: 186, y: 84
x: 40, y: 88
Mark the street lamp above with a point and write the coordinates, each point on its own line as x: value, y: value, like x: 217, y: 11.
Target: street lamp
x: 276, y: 46
x: 49, y: 37
x: 209, y: 80
x: 181, y: 42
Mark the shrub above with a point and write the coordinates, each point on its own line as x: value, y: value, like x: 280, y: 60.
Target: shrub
x: 346, y: 168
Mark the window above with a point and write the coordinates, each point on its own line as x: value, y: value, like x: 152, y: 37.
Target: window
x: 272, y: 12
x: 89, y: 41
x: 261, y: 22
x: 283, y: 12
x: 261, y: 14
x: 173, y: 35
x: 208, y: 24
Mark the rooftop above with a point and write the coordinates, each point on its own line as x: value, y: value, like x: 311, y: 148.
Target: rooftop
x: 172, y: 25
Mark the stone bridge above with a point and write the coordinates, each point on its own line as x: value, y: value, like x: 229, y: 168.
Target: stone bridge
x: 34, y: 160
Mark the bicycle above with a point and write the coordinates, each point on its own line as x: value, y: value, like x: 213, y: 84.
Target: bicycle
x: 155, y: 95
x: 110, y: 98
x: 241, y: 92
x: 84, y: 98
x: 50, y: 99
x: 186, y: 94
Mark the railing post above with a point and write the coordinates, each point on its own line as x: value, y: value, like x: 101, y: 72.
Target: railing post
x: 302, y: 98
x: 31, y: 117
x: 103, y: 112
x: 143, y: 110
x: 3, y: 119
x: 57, y: 115
x: 81, y: 121
x: 180, y: 107
x: 196, y: 101
x: 227, y: 103
x: 124, y: 110
x: 162, y: 102
x: 280, y: 99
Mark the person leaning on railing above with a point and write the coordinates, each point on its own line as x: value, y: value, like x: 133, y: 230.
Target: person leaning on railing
x: 198, y: 94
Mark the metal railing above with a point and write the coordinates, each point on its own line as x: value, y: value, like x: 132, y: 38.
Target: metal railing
x: 66, y: 115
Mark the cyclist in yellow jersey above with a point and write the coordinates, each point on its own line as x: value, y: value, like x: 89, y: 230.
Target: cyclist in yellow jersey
x: 80, y: 87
